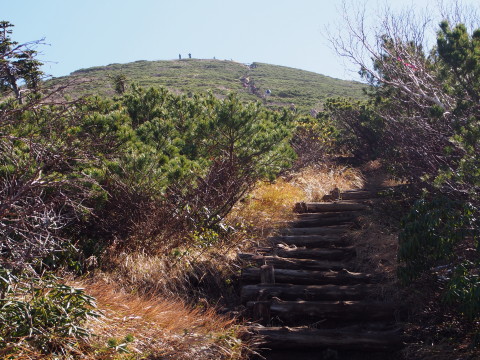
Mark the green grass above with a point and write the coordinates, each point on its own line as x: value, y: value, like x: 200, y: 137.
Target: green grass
x: 307, y: 90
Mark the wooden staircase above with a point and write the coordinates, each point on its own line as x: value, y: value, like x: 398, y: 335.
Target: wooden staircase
x: 305, y: 298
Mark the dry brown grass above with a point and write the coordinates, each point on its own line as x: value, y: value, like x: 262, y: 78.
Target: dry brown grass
x: 161, y: 328
x: 156, y: 328
x: 169, y: 304
x: 196, y: 275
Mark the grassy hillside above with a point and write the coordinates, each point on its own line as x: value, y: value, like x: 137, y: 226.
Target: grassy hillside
x: 307, y: 90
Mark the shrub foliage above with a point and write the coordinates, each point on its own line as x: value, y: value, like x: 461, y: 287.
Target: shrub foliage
x: 41, y: 315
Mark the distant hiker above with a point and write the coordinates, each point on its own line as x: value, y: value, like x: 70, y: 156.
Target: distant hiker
x: 189, y: 55
x: 179, y: 56
x: 268, y: 92
x: 293, y: 107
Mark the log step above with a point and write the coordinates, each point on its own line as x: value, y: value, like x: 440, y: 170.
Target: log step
x: 310, y: 241
x: 305, y: 292
x: 352, y: 195
x: 317, y: 221
x: 320, y: 207
x: 308, y: 277
x: 344, y: 253
x: 295, y: 311
x: 307, y: 338
x: 326, y: 215
x: 283, y: 263
x: 322, y: 230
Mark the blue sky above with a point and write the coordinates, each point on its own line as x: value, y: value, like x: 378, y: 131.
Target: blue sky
x: 85, y: 33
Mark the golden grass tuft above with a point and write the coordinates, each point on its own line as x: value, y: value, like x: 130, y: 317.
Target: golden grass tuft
x: 267, y: 205
x: 316, y: 182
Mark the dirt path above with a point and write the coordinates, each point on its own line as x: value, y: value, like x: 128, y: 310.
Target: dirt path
x: 304, y: 296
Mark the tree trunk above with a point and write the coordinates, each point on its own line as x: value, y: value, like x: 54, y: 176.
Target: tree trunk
x: 316, y: 220
x: 353, y: 195
x: 324, y: 230
x: 318, y: 254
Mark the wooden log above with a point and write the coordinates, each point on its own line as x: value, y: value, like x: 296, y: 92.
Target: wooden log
x: 316, y: 220
x: 264, y: 250
x: 305, y: 292
x: 345, y: 253
x: 282, y: 263
x: 299, y: 354
x: 267, y: 274
x: 295, y: 311
x: 324, y: 230
x: 300, y: 207
x: 366, y: 194
x: 326, y: 215
x: 326, y: 198
x: 310, y: 241
x: 319, y: 207
x: 261, y: 312
x: 308, y: 277
x: 353, y: 195
x: 251, y: 257
x: 306, y: 338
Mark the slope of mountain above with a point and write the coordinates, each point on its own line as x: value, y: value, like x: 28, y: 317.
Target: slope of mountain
x: 277, y: 86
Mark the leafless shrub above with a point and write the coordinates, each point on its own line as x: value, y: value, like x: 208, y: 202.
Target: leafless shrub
x: 43, y: 190
x: 218, y: 191
x: 137, y: 219
x: 36, y: 201
x: 391, y: 51
x: 308, y: 147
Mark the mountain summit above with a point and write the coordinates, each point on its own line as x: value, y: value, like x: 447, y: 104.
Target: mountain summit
x: 277, y: 86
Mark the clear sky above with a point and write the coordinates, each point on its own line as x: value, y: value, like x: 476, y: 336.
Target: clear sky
x: 85, y: 33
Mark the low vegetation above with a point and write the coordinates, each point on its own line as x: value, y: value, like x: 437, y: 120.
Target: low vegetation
x: 41, y: 315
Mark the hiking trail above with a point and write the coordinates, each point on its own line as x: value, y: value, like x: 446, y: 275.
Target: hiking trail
x: 303, y: 294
